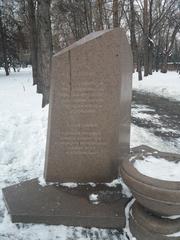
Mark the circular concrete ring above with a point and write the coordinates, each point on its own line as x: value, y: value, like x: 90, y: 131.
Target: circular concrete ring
x: 145, y: 226
x: 160, y: 197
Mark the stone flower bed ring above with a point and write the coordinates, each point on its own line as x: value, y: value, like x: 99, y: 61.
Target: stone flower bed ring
x: 161, y: 197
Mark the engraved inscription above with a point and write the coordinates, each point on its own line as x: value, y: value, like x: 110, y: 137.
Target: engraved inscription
x: 82, y: 139
x: 85, y: 97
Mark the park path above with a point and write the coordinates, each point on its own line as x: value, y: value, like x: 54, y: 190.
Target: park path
x: 161, y: 116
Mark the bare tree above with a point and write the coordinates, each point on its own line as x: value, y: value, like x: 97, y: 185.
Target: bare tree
x: 41, y: 45
x: 99, y: 15
x: 11, y: 36
x: 115, y: 13
x: 169, y: 43
x: 33, y: 35
x: 3, y: 44
x: 45, y: 49
x: 146, y: 38
x: 134, y: 44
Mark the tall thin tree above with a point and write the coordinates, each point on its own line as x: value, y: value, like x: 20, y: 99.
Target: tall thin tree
x: 146, y: 38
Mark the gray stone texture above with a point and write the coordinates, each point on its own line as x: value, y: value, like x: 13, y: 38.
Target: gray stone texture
x: 89, y: 116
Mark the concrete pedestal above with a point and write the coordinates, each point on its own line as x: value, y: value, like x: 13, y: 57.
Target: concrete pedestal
x: 146, y: 226
x: 159, y: 196
x: 29, y: 202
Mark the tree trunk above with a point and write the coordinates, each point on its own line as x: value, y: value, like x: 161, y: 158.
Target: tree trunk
x: 45, y: 49
x: 140, y: 78
x: 164, y: 64
x: 90, y: 15
x: 150, y: 59
x: 169, y: 49
x: 115, y: 14
x: 157, y: 56
x: 150, y: 37
x: 139, y: 60
x: 157, y: 62
x: 86, y: 17
x: 139, y: 67
x: 33, y: 39
x: 99, y: 20
x: 134, y: 46
x: 4, y: 47
x: 146, y: 40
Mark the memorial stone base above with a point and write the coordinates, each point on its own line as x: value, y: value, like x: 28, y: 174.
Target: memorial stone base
x: 29, y: 202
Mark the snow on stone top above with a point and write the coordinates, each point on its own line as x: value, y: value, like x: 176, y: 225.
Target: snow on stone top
x: 159, y: 168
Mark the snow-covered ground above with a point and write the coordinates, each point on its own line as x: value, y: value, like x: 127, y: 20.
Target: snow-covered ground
x: 165, y: 85
x: 23, y: 125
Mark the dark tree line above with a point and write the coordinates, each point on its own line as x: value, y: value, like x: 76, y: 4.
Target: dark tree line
x: 46, y: 26
x: 12, y: 37
x: 25, y: 27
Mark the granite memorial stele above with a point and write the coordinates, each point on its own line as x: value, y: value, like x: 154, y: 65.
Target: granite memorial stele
x: 88, y: 136
x: 89, y: 120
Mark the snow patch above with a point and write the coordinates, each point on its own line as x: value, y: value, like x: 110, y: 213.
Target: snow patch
x: 42, y: 181
x: 159, y: 168
x: 94, y: 198
x: 69, y: 185
x: 114, y: 183
x: 165, y: 85
x: 171, y: 217
x: 177, y: 234
x: 125, y: 190
x: 127, y: 232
